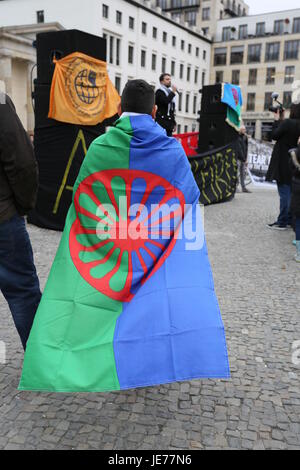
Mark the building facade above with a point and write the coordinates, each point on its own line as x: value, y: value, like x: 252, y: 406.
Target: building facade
x: 142, y: 42
x: 260, y: 53
x: 203, y: 14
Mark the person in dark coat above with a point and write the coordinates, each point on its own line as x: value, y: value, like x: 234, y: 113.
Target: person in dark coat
x: 165, y: 100
x: 242, y: 157
x: 295, y: 202
x: 286, y: 133
x: 18, y: 188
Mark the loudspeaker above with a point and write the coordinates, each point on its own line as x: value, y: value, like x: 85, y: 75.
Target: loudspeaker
x: 211, y: 101
x: 215, y: 133
x: 61, y: 44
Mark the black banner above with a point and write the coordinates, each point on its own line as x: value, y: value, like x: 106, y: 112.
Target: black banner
x: 216, y: 174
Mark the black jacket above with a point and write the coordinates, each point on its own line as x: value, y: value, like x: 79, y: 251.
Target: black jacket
x: 286, y: 133
x: 295, y: 202
x: 18, y: 167
x: 242, y: 148
x: 162, y: 101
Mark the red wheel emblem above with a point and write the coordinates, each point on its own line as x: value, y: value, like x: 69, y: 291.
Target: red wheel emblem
x: 116, y: 247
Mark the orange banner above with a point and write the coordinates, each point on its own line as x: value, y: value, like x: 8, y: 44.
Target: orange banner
x: 81, y: 91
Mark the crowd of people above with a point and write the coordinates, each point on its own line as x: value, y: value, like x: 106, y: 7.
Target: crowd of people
x: 19, y: 182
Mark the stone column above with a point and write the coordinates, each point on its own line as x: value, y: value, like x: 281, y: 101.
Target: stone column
x: 6, y: 73
x: 258, y: 134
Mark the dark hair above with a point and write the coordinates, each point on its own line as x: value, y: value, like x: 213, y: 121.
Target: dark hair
x: 138, y: 97
x: 163, y: 75
x: 295, y: 111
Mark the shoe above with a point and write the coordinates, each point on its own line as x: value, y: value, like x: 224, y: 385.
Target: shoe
x: 297, y: 257
x: 245, y: 190
x: 276, y: 226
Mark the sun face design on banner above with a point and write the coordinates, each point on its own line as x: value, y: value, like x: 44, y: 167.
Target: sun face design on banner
x: 127, y: 243
x: 86, y: 87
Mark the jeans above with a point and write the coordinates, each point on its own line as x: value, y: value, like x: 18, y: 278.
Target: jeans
x: 18, y: 279
x: 285, y: 194
x: 298, y: 229
x: 242, y: 173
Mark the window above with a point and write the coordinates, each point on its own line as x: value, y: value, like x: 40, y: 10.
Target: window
x: 226, y: 34
x: 143, y: 58
x: 272, y: 51
x: 287, y: 99
x: 190, y: 49
x: 195, y: 104
x: 188, y: 73
x: 291, y: 49
x: 252, y: 77
x: 220, y: 56
x: 235, y: 80
x: 174, y: 41
x: 187, y: 103
x: 243, y: 31
x: 40, y: 16
x: 118, y: 51
x: 279, y: 27
x: 237, y: 55
x: 196, y: 76
x: 111, y: 49
x: 105, y: 11
x: 179, y: 129
x: 260, y: 29
x: 181, y: 71
x: 254, y: 53
x: 289, y: 75
x: 296, y: 25
x: 153, y: 62
x: 180, y: 102
x: 268, y: 101
x: 197, y: 51
x: 186, y: 128
x: 173, y: 68
x: 131, y: 22
x: 203, y: 78
x: 118, y: 17
x: 118, y: 84
x: 206, y: 14
x: 163, y: 65
x: 144, y: 27
x: 270, y: 78
x: 130, y: 54
x: 182, y: 45
x: 165, y: 36
x: 251, y: 102
x: 191, y: 17
x: 219, y: 76
x: 154, y: 33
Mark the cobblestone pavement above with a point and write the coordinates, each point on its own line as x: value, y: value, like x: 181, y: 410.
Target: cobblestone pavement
x: 257, y: 283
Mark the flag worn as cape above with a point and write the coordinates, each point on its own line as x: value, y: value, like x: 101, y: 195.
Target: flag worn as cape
x: 232, y: 96
x: 81, y: 91
x: 120, y: 311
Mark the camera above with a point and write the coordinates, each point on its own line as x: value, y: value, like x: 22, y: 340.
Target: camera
x: 275, y: 109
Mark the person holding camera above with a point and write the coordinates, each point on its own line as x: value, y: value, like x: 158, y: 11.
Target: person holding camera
x: 295, y: 202
x: 165, y: 100
x: 286, y: 133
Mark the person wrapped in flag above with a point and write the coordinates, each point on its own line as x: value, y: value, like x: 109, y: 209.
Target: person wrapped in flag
x: 130, y: 299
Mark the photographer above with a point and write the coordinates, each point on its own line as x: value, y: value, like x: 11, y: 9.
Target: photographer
x: 286, y: 133
x: 295, y: 203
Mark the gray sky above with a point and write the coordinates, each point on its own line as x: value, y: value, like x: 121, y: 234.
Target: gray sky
x: 265, y: 6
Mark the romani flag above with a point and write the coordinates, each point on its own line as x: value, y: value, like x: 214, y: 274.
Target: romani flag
x: 130, y: 299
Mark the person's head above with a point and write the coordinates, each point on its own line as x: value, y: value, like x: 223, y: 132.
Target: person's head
x: 295, y: 111
x: 138, y: 97
x: 165, y: 79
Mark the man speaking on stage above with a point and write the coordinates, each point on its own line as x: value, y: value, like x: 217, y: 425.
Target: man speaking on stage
x: 165, y: 99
